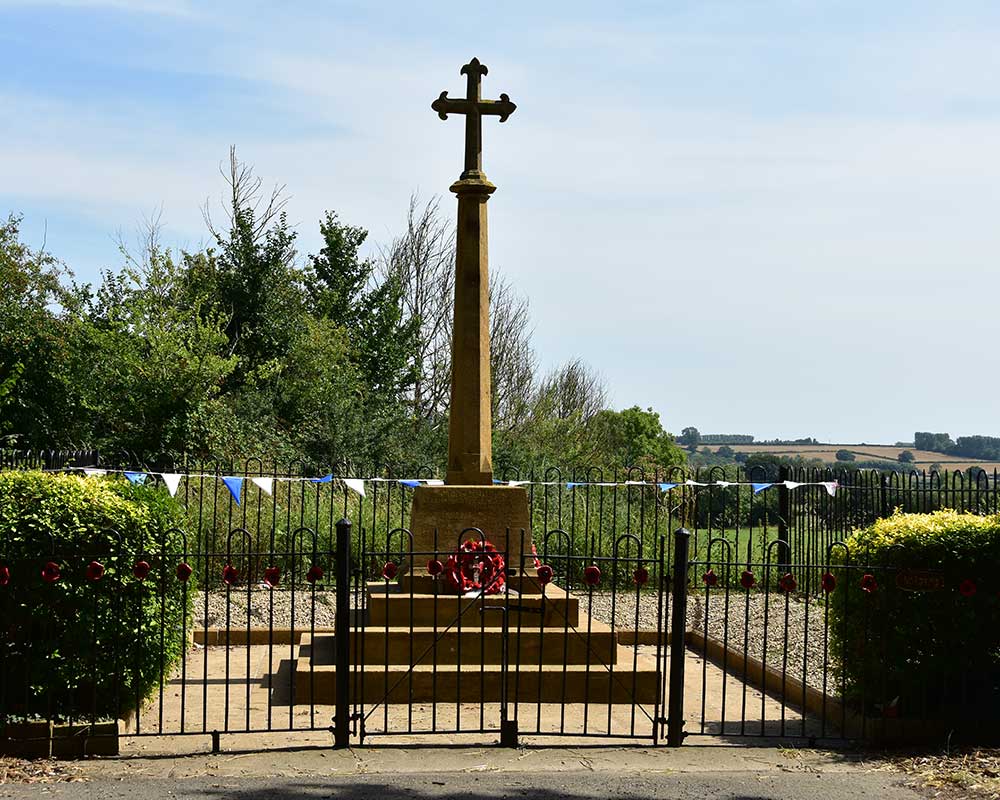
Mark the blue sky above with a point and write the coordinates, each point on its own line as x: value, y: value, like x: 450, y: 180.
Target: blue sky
x: 777, y: 218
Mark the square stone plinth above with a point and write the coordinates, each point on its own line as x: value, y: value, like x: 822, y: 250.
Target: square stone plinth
x: 449, y: 510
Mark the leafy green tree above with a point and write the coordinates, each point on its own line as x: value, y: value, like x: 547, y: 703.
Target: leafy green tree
x: 690, y: 437
x: 906, y: 457
x: 844, y: 455
x: 146, y: 356
x: 634, y: 437
x: 37, y: 398
x: 346, y: 290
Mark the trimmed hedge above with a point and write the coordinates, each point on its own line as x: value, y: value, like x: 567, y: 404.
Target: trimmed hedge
x: 80, y: 648
x: 932, y: 653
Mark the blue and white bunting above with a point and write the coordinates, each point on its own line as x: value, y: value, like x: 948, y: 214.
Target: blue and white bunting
x: 760, y: 487
x: 136, y: 478
x: 235, y: 486
x: 355, y: 485
x: 171, y: 480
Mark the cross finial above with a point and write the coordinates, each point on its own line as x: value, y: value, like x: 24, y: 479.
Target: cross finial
x: 474, y: 107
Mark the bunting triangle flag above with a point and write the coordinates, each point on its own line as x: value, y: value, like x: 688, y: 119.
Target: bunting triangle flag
x: 235, y: 486
x: 760, y: 487
x: 172, y: 481
x: 433, y: 482
x: 690, y: 482
x: 666, y: 487
x: 324, y: 479
x: 831, y: 487
x: 573, y: 485
x: 793, y: 484
x: 517, y: 483
x: 355, y: 485
x: 94, y: 473
x: 266, y: 485
x: 413, y: 484
x: 724, y: 483
x: 138, y: 478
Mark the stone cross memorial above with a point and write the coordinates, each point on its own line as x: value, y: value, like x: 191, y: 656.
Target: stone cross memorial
x: 470, y: 498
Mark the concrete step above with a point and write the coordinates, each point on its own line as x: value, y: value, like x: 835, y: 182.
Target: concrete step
x: 388, y: 606
x: 398, y: 684
x: 475, y: 646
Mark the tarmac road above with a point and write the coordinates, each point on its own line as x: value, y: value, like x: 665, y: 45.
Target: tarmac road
x: 463, y: 786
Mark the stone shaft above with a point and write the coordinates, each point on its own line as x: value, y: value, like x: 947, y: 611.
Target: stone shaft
x: 470, y: 434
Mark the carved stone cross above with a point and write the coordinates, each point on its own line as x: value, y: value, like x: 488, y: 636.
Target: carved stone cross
x: 474, y: 107
x: 470, y: 424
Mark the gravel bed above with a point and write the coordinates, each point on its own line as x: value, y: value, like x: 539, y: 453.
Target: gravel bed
x: 260, y: 609
x: 746, y: 631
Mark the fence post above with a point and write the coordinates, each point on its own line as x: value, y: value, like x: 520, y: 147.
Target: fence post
x: 784, y: 516
x: 342, y: 636
x: 883, y: 493
x: 678, y: 629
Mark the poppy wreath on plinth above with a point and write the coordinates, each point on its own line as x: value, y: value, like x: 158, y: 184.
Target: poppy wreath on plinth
x: 476, y: 566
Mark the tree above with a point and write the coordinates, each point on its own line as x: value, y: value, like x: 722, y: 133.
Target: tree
x: 906, y: 457
x: 346, y: 290
x: 690, y: 437
x: 634, y: 437
x: 936, y: 442
x: 256, y: 284
x: 37, y: 393
x: 725, y: 451
x: 422, y: 260
x: 844, y: 455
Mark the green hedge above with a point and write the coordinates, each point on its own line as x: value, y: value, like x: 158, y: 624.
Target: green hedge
x: 932, y: 653
x: 78, y: 648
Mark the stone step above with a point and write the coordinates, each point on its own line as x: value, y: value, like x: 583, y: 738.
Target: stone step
x: 428, y: 584
x: 398, y: 684
x: 476, y: 646
x: 388, y: 606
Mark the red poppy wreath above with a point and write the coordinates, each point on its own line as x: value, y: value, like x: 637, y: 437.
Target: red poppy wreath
x: 475, y: 566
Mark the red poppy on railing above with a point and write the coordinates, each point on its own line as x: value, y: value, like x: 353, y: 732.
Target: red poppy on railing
x: 592, y: 575
x: 747, y: 579
x: 272, y: 577
x: 184, y: 571
x: 230, y: 574
x: 434, y: 567
x: 641, y: 576
x: 4, y: 575
x: 828, y: 582
x: 95, y: 571
x: 315, y: 573
x: 868, y: 583
x: 710, y: 578
x: 967, y: 588
x: 787, y: 583
x: 50, y: 572
x: 140, y: 570
x: 390, y: 570
x: 544, y: 573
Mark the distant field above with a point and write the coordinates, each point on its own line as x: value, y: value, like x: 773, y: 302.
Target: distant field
x: 862, y: 452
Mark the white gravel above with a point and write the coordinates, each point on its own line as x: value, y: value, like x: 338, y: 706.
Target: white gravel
x: 802, y: 639
x: 262, y: 601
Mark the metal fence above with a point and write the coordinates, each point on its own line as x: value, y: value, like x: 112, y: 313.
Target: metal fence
x: 713, y: 607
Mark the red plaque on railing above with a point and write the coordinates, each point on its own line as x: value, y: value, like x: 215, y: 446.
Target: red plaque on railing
x: 919, y: 580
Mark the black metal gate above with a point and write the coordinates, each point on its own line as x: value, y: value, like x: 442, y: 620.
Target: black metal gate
x: 549, y: 643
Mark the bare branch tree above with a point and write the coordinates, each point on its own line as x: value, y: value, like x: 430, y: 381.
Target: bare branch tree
x: 244, y: 190
x: 423, y: 259
x: 512, y: 359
